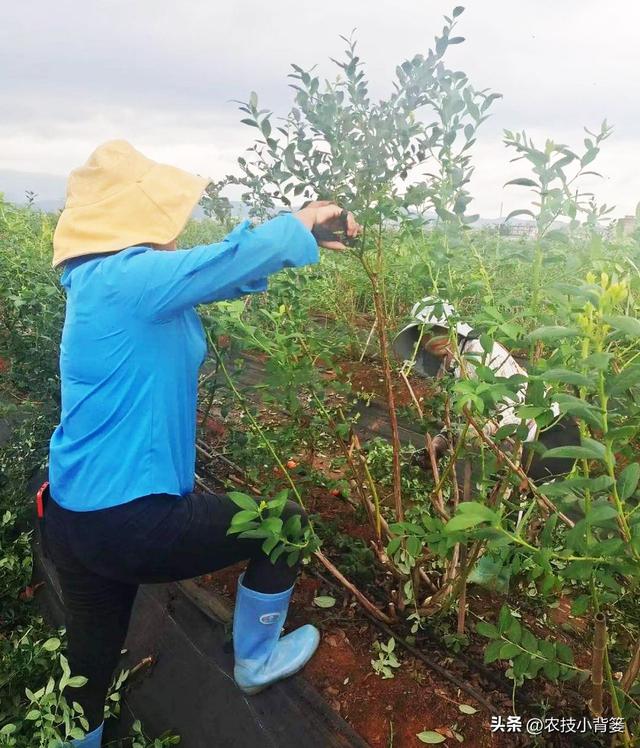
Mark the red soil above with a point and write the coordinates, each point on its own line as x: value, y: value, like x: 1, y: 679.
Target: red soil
x: 383, y: 711
x: 389, y: 713
x: 367, y: 377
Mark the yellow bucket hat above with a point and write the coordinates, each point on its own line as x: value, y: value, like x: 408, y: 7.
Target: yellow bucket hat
x: 121, y: 198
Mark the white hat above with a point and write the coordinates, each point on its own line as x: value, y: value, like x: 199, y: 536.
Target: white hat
x: 434, y: 313
x: 437, y: 313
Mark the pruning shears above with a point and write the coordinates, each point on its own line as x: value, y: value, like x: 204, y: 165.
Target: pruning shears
x: 334, y: 230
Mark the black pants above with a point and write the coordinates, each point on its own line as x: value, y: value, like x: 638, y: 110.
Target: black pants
x: 102, y: 556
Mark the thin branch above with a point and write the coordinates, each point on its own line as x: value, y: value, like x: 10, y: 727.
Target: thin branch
x: 364, y: 601
x: 541, y: 498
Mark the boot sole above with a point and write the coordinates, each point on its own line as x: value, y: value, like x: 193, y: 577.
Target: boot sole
x: 253, y: 690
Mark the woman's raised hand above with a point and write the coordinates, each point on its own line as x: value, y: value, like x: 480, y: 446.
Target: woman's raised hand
x: 324, y: 214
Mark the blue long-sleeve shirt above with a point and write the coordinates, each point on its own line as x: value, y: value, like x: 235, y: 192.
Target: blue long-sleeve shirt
x: 132, y: 344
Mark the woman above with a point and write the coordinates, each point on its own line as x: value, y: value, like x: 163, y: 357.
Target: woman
x: 122, y: 510
x: 426, y: 342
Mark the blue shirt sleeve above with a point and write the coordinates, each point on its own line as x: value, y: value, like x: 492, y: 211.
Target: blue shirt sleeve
x: 163, y: 283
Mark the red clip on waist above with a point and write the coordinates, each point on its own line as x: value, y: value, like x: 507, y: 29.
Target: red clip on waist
x: 40, y: 500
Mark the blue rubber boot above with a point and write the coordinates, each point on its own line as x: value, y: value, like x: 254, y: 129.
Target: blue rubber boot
x: 262, y: 657
x: 91, y: 739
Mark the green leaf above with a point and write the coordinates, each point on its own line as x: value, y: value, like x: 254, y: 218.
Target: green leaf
x: 272, y: 525
x: 77, y: 681
x: 49, y: 687
x: 292, y: 558
x: 567, y: 377
x: 601, y: 512
x: 441, y: 45
x: 564, y: 653
x: 628, y: 480
x: 394, y: 545
x: 257, y: 533
x: 580, y: 605
x: 622, y: 434
x: 551, y: 669
x: 595, y: 446
x: 557, y: 235
x: 596, y: 485
x: 589, y: 156
x: 504, y: 431
x: 269, y: 544
x: 414, y: 546
x: 470, y: 514
x: 521, y: 664
x: 580, y: 570
x: 33, y: 714
x: 504, y: 619
x: 289, y: 157
x: 430, y: 737
x: 522, y: 182
x: 576, y: 453
x: 487, y: 629
x: 529, y: 641
x: 598, y: 361
x: 324, y: 601
x: 265, y: 126
x: 462, y: 522
x: 576, y: 407
x: 546, y: 649
x: 292, y: 527
x: 237, y: 529
x: 492, y: 652
x: 522, y: 212
x: 577, y: 485
x: 51, y: 644
x: 246, y: 515
x: 509, y: 650
x: 458, y: 10
x: 280, y: 499
x: 628, y: 377
x: 554, y: 332
x: 243, y: 501
x: 514, y: 632
x: 466, y: 709
x: 628, y: 325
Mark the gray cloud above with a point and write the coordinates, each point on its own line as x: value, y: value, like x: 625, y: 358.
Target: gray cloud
x: 162, y: 74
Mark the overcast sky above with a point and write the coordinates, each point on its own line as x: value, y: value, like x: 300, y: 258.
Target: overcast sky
x: 161, y: 74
